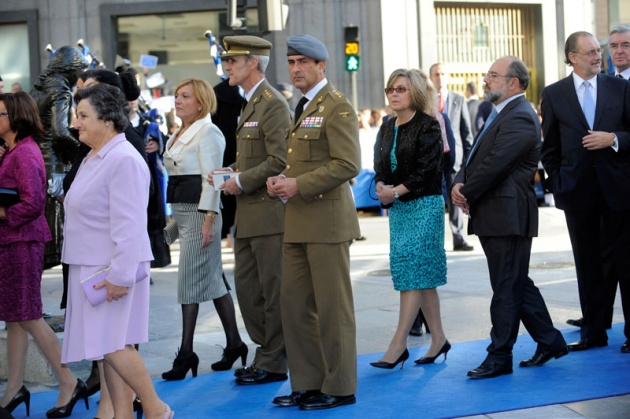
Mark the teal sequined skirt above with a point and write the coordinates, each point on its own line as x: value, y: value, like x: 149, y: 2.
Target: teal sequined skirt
x: 416, y: 245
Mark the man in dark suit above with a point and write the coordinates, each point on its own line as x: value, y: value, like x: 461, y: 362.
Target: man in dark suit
x: 619, y: 47
x: 454, y: 106
x: 261, y: 152
x: 320, y: 223
x: 586, y: 125
x: 495, y: 187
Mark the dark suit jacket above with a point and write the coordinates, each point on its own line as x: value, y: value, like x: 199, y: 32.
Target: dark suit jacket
x: 576, y: 174
x: 499, y: 179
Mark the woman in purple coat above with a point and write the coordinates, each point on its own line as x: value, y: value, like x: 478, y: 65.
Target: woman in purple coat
x: 23, y: 232
x: 106, y: 227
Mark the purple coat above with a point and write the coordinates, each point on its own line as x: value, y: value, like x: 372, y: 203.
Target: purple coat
x: 22, y: 168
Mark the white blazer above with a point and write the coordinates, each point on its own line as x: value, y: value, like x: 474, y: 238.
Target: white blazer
x: 198, y: 151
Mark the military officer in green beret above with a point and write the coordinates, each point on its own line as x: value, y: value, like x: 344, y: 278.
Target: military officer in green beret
x: 320, y: 223
x: 260, y: 153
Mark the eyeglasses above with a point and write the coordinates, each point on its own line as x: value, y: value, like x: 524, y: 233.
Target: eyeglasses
x: 388, y: 90
x: 590, y: 54
x: 625, y: 46
x: 4, y: 114
x: 493, y: 76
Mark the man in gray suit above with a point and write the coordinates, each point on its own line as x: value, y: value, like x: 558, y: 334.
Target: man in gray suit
x: 455, y: 107
x: 473, y: 102
x: 259, y: 226
x: 495, y: 187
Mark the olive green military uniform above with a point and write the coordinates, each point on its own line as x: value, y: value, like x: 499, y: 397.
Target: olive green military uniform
x: 320, y: 223
x: 261, y: 153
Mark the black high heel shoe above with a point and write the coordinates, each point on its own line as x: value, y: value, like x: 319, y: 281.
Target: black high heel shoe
x: 230, y: 356
x: 431, y: 359
x: 93, y: 382
x: 401, y: 360
x: 22, y: 396
x: 80, y: 392
x: 137, y: 407
x: 181, y: 365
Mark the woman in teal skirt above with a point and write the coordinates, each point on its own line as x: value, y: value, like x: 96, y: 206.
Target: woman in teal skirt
x: 408, y: 165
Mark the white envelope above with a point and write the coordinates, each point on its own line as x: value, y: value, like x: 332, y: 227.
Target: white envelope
x: 220, y: 177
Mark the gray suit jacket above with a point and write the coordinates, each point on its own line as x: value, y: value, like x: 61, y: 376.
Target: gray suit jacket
x: 460, y: 124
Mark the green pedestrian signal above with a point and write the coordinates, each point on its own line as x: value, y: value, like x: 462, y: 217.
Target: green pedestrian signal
x: 352, y: 62
x: 352, y: 55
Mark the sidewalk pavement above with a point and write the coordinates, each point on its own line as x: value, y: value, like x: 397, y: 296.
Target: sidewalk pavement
x: 465, y: 303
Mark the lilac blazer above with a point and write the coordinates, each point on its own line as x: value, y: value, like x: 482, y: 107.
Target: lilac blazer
x: 106, y: 213
x: 23, y: 169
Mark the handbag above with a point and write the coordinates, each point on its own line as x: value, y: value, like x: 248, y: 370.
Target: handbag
x: 8, y: 197
x: 171, y: 232
x: 99, y: 296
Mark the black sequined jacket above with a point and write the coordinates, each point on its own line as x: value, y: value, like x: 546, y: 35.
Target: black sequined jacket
x: 419, y: 152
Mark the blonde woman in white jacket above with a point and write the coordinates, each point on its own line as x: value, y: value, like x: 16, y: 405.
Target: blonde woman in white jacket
x: 193, y: 150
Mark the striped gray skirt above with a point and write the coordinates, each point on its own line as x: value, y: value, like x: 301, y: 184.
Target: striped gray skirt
x: 200, y: 272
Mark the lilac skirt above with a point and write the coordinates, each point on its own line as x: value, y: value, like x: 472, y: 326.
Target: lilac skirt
x: 92, y: 332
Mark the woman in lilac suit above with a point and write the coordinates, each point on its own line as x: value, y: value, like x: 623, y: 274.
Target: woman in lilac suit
x: 106, y: 226
x: 23, y: 232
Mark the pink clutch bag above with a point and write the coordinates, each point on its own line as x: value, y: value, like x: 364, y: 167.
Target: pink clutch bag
x: 98, y: 296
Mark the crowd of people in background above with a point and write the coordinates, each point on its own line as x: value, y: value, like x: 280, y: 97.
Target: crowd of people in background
x: 266, y: 176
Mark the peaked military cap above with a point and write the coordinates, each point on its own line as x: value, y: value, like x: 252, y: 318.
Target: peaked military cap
x: 245, y: 45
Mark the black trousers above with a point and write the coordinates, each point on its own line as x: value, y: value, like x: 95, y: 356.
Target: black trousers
x: 515, y: 299
x: 600, y: 238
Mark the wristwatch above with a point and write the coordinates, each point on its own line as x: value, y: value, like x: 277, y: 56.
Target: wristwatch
x: 396, y: 196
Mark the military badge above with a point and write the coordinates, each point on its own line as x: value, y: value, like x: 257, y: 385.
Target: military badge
x: 312, y: 122
x: 250, y: 124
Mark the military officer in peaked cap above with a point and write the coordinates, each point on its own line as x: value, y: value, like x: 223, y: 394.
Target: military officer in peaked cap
x: 260, y: 153
x: 320, y: 223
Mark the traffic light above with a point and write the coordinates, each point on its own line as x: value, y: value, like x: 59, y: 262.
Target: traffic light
x: 351, y: 37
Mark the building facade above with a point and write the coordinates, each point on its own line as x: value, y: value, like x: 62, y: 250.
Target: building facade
x: 466, y: 36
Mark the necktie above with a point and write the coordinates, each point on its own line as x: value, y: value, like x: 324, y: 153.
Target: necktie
x: 440, y: 102
x: 243, y: 105
x: 491, y: 117
x: 300, y: 108
x: 620, y: 76
x: 588, y: 104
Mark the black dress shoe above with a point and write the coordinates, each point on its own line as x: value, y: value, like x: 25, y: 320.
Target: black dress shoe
x: 542, y: 356
x: 326, y: 401
x: 625, y: 348
x: 258, y: 376
x: 586, y: 343
x: 295, y: 398
x: 244, y: 371
x: 490, y: 370
x: 463, y: 248
x: 576, y: 322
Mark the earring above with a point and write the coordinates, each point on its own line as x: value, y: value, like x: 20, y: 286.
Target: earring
x: 199, y: 109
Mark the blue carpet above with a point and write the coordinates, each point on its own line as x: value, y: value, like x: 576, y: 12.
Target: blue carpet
x: 441, y: 390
